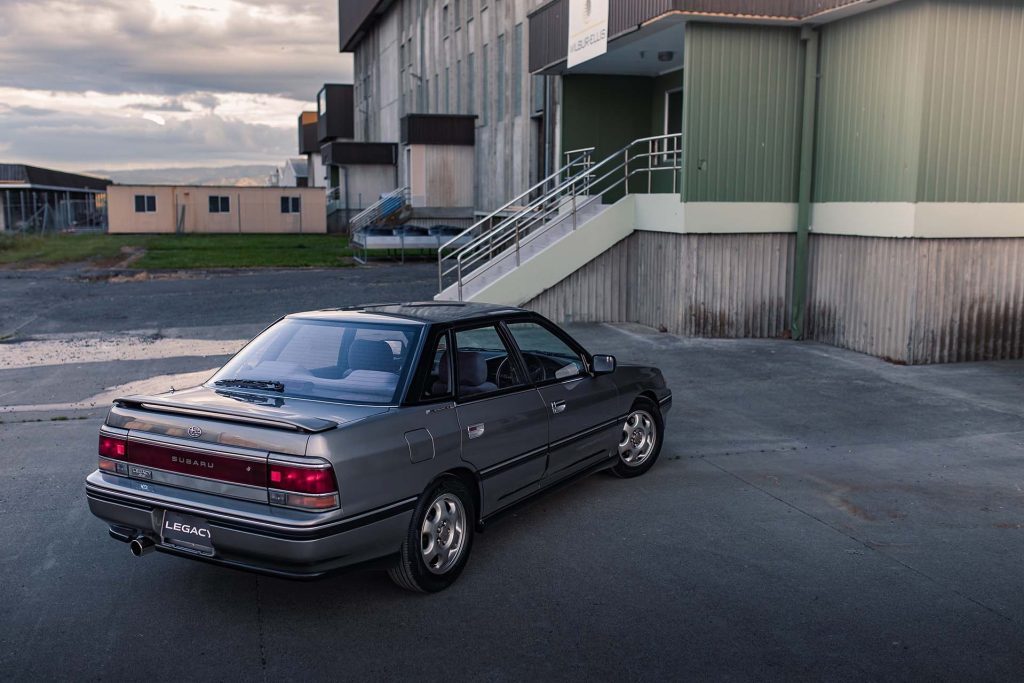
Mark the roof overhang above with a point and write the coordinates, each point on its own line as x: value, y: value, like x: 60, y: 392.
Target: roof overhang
x: 356, y: 18
x: 549, y: 24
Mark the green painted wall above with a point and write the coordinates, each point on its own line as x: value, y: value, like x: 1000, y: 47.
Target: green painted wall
x: 605, y: 112
x: 972, y: 138
x: 870, y: 99
x: 742, y: 113
x: 923, y: 101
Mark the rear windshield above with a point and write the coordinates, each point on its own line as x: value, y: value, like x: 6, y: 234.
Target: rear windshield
x: 337, y: 361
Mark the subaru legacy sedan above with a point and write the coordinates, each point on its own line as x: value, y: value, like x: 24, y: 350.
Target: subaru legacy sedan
x: 381, y: 436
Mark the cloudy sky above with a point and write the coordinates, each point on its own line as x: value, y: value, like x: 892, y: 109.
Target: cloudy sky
x: 114, y: 84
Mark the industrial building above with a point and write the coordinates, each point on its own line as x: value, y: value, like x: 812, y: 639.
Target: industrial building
x: 849, y: 171
x: 34, y: 199
x: 212, y: 209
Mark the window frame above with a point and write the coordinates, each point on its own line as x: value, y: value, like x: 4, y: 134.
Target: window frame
x: 146, y: 203
x: 576, y: 347
x: 424, y: 364
x: 221, y: 201
x: 510, y: 347
x: 291, y: 204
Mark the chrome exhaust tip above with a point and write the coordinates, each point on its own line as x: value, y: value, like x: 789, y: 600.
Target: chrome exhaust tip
x: 141, y: 545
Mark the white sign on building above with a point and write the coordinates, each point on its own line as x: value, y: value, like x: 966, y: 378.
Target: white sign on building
x: 588, y: 30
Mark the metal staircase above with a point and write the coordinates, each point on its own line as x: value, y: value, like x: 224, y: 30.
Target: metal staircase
x: 553, y: 208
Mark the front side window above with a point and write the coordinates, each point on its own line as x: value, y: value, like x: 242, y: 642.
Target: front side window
x: 145, y: 203
x: 546, y: 355
x: 220, y: 204
x: 291, y: 204
x: 484, y: 363
x: 327, y: 360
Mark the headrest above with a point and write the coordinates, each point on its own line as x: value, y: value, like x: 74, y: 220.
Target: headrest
x: 366, y: 354
x: 472, y: 368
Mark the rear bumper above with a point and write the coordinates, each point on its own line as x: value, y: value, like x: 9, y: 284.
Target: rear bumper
x: 288, y: 548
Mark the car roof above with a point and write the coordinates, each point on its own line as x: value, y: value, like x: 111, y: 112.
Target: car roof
x: 414, y: 311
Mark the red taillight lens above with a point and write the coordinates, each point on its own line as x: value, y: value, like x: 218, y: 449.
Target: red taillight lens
x: 113, y: 447
x: 302, y: 479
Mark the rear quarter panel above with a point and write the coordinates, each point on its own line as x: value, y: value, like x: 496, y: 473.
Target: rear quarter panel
x: 372, y: 459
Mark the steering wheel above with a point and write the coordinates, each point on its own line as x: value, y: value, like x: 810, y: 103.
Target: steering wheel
x: 505, y: 377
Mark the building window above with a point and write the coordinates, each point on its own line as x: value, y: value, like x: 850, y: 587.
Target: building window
x: 291, y: 204
x: 501, y: 77
x: 220, y: 204
x: 145, y: 203
x: 485, y: 100
x: 458, y: 86
x: 517, y: 70
x: 447, y: 90
x: 471, y: 82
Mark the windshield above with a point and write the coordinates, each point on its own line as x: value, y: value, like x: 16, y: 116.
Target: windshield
x: 337, y: 361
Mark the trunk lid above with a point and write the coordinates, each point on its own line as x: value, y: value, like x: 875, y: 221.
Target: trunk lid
x: 219, y: 441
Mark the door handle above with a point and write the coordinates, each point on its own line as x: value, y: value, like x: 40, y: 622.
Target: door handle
x: 475, y: 431
x: 557, y: 407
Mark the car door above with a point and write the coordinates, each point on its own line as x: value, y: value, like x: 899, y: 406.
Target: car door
x: 503, y: 418
x: 582, y: 408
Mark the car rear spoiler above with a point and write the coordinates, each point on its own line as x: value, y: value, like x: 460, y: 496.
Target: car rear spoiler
x: 291, y: 422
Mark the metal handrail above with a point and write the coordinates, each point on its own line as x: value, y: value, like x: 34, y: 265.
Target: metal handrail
x: 663, y: 153
x: 581, y: 158
x: 584, y: 153
x: 371, y: 213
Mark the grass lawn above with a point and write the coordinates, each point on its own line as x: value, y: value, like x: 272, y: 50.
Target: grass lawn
x: 176, y: 252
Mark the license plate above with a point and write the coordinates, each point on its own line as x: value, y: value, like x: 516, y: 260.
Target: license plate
x: 187, y: 532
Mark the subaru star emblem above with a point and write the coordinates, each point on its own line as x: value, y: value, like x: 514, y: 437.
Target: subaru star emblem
x: 195, y: 432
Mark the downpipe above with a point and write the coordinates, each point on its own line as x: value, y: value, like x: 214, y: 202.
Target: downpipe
x: 141, y: 545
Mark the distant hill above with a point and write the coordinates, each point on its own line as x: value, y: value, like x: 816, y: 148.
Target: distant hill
x: 238, y: 176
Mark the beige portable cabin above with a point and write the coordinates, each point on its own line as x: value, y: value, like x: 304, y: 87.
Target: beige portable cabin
x: 209, y: 209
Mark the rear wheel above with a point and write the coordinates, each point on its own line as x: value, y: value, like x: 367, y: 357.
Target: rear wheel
x: 436, y: 549
x: 640, y: 442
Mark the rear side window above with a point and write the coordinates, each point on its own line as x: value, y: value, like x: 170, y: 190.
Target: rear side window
x: 342, y: 361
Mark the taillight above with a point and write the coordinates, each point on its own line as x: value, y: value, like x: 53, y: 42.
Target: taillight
x: 303, y: 486
x: 112, y: 450
x: 113, y: 447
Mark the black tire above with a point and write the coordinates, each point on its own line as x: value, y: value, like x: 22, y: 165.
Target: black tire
x: 628, y: 470
x: 411, y: 572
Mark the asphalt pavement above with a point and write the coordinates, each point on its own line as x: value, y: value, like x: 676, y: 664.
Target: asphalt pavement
x: 816, y: 514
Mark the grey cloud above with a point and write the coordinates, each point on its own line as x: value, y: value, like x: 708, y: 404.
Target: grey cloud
x: 71, y: 141
x: 43, y: 47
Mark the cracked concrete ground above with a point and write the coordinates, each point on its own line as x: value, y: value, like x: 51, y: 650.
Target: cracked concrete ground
x: 816, y: 514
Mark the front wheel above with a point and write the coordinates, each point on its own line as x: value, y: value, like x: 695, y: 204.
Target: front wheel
x: 436, y: 548
x: 640, y: 442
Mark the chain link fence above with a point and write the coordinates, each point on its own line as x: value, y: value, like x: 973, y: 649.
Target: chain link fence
x: 48, y: 212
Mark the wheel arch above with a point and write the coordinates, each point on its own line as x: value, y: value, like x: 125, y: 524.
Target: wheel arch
x: 472, y: 482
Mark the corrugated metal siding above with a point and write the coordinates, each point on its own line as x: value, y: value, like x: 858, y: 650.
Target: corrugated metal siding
x: 970, y: 300
x: 871, y: 95
x: 907, y: 300
x: 601, y: 291
x: 694, y: 285
x: 919, y: 300
x: 861, y: 294
x: 742, y: 120
x: 972, y: 148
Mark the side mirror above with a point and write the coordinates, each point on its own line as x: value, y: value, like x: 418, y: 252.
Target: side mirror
x: 603, y: 364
